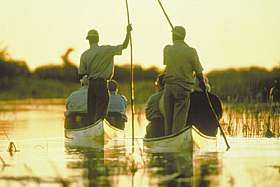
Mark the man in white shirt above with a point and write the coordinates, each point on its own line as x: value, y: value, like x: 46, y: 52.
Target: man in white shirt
x: 98, y: 63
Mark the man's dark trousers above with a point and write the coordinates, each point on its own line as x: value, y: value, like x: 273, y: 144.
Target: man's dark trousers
x: 98, y: 99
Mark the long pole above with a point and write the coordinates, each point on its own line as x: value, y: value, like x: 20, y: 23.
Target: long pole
x: 206, y: 94
x: 131, y: 78
x: 170, y: 23
x: 216, y: 119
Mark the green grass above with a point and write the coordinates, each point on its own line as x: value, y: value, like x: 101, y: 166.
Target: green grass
x: 22, y: 88
x: 143, y: 90
x: 25, y: 88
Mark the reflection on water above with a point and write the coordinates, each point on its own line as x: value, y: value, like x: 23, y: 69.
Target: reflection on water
x: 171, y: 169
x: 90, y: 163
x: 45, y: 159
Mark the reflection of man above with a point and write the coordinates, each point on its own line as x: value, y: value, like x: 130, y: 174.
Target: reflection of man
x: 98, y: 63
x: 153, y: 113
x: 181, y: 62
x: 117, y: 106
x: 77, y: 101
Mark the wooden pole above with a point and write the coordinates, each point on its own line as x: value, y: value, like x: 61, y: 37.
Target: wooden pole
x: 216, y: 119
x: 170, y: 23
x: 131, y: 79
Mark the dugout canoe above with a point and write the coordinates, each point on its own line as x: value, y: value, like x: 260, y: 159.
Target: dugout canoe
x: 96, y: 135
x: 189, y: 139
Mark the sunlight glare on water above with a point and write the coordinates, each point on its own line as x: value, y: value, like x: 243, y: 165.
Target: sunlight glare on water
x: 38, y: 133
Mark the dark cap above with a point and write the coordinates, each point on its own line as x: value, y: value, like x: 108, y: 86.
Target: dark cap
x: 179, y: 31
x: 112, y: 85
x: 92, y: 33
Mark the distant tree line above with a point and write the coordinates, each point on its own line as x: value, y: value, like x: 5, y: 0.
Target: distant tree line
x: 67, y: 71
x: 240, y: 85
x: 10, y: 67
x: 244, y: 84
x: 123, y: 73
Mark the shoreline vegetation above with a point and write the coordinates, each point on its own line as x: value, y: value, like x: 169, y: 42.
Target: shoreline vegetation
x: 17, y: 82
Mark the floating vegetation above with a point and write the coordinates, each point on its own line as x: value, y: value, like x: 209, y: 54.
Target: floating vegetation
x: 12, y: 148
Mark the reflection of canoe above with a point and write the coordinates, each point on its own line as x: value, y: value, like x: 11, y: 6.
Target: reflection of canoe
x: 94, y: 135
x: 189, y: 139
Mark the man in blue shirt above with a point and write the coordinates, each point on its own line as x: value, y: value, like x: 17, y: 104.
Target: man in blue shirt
x: 117, y: 106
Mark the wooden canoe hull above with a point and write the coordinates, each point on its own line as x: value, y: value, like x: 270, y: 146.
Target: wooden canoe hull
x: 96, y: 135
x: 189, y: 139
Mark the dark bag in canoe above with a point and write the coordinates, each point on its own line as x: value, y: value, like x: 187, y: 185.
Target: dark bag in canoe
x: 200, y: 114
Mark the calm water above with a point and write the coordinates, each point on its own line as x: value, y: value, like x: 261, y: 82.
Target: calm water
x: 44, y: 159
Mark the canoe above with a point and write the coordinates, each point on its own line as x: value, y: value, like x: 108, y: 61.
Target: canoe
x: 201, y: 135
x: 96, y: 135
x: 189, y: 139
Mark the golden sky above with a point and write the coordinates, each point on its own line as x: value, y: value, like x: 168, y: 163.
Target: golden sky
x: 234, y: 33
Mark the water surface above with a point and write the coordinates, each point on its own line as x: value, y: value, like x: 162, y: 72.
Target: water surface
x: 43, y: 158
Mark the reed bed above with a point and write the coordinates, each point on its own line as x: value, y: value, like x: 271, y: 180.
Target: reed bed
x: 251, y: 120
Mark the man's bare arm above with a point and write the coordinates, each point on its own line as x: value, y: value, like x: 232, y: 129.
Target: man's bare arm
x: 127, y: 37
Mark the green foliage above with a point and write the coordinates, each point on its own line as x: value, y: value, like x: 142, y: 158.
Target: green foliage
x: 22, y: 88
x: 11, y: 68
x: 123, y: 73
x: 4, y: 55
x: 143, y: 90
x: 234, y: 85
x: 245, y: 84
x: 144, y: 82
x: 58, y: 81
x: 49, y: 72
x: 68, y: 71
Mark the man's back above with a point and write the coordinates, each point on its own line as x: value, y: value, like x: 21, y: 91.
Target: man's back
x: 98, y: 61
x: 117, y: 103
x: 152, y: 110
x: 117, y: 110
x: 181, y: 61
x: 77, y: 101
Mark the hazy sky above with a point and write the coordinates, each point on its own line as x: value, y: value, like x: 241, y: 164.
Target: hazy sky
x: 225, y: 33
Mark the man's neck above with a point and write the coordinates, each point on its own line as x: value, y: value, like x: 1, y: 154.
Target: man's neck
x: 113, y: 93
x: 178, y: 41
x: 92, y: 45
